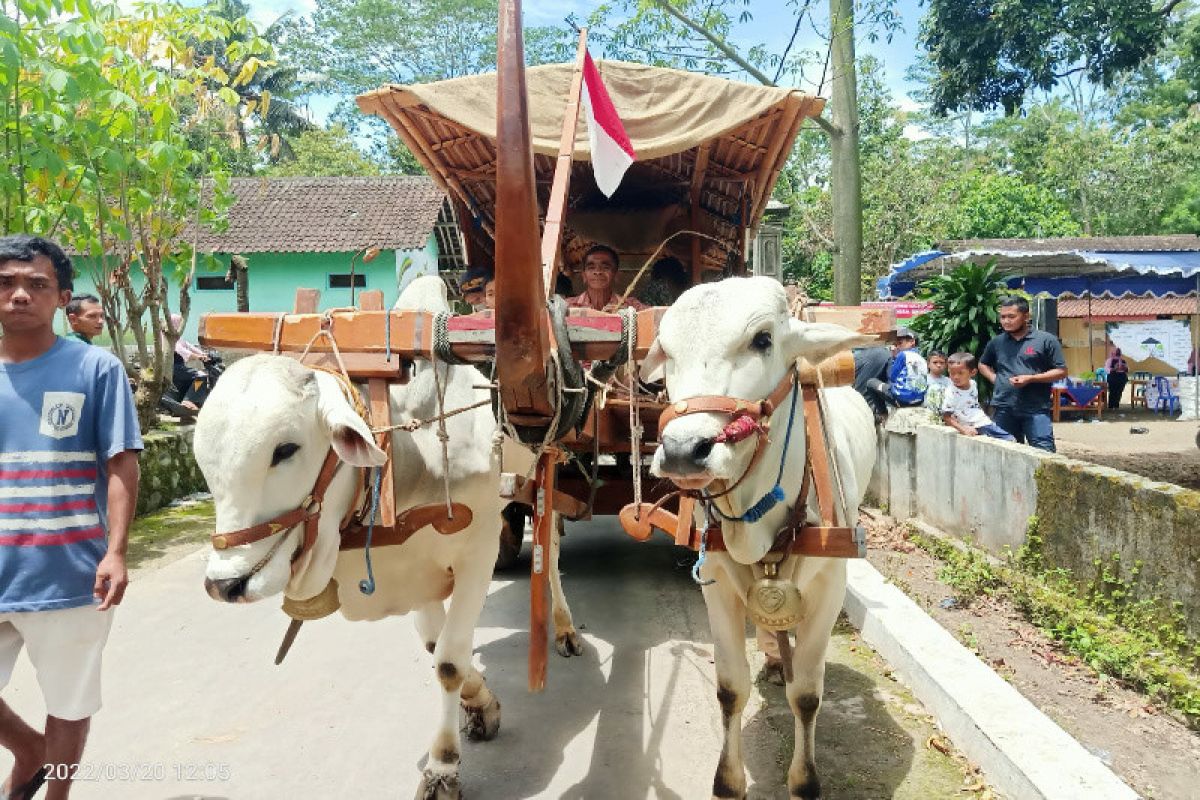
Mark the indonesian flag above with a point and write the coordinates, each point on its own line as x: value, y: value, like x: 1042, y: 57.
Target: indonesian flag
x: 611, y: 151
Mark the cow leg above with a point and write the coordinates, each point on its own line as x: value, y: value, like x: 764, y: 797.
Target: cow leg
x: 452, y: 654
x: 481, y: 706
x: 823, y: 599
x: 566, y: 638
x: 727, y: 618
x: 429, y: 619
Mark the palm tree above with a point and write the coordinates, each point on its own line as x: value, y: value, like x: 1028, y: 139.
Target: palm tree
x: 273, y: 86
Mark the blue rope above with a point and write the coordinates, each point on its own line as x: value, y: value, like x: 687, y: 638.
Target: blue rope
x: 367, y: 586
x: 703, y: 551
x: 776, y: 495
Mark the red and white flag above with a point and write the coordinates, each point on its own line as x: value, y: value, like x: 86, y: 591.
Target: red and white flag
x: 612, y: 152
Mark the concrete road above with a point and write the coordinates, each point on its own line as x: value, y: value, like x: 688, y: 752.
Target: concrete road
x: 194, y: 707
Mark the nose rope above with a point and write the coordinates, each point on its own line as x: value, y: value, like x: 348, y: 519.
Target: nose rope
x: 776, y: 495
x: 367, y: 586
x: 703, y: 548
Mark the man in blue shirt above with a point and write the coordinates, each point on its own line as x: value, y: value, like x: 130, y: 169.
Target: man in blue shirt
x: 1022, y: 363
x: 69, y: 443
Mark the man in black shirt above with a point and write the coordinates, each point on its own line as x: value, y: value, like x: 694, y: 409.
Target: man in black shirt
x: 1022, y: 363
x: 870, y: 370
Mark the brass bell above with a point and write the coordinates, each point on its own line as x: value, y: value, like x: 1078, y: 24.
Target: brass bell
x: 773, y: 603
x: 321, y: 605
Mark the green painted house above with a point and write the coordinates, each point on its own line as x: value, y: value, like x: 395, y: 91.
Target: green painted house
x: 313, y: 232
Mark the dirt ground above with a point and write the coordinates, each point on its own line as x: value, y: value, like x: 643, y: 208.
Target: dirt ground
x: 1166, y: 452
x: 1153, y: 752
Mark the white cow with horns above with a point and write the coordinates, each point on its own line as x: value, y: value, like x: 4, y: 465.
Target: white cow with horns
x: 749, y: 346
x: 262, y: 439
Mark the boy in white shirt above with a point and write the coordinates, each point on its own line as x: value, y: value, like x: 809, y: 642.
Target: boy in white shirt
x: 938, y: 382
x: 960, y: 404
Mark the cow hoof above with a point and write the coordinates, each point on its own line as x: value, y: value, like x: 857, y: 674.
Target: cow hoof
x: 568, y: 644
x: 483, y: 722
x: 438, y: 787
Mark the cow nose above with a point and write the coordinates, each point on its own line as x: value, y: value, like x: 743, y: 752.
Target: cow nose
x: 685, y: 455
x: 230, y: 590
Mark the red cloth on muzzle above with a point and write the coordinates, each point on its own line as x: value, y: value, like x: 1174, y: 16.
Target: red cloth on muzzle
x: 738, y: 430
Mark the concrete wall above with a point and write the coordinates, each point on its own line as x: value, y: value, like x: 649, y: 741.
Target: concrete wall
x: 169, y: 470
x: 986, y: 492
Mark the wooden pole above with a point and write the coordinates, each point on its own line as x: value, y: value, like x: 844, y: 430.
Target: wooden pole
x: 543, y: 520
x: 522, y: 325
x: 698, y: 170
x: 555, y: 210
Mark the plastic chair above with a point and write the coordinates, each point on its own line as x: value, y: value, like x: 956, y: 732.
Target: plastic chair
x: 1167, y: 402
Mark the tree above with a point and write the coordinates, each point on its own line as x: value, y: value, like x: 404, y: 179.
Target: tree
x: 692, y: 33
x: 996, y: 206
x: 267, y: 86
x: 93, y: 107
x: 354, y: 46
x: 324, y: 151
x: 993, y: 53
x: 965, y: 313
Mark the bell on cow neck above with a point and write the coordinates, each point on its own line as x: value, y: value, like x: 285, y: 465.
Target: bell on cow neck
x: 773, y: 603
x: 301, y: 611
x: 321, y: 605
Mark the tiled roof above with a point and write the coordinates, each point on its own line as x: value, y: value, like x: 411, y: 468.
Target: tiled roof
x: 1126, y: 306
x: 1101, y: 244
x: 327, y: 215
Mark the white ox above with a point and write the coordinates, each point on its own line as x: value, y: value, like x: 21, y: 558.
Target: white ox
x: 260, y: 441
x: 749, y: 344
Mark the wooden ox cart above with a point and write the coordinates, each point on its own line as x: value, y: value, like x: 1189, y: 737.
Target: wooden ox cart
x: 512, y: 155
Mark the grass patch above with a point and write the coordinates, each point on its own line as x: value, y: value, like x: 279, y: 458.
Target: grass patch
x: 1139, y: 643
x: 152, y: 535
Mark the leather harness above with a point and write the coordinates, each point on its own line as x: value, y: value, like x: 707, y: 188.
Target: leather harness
x: 353, y: 529
x: 795, y: 537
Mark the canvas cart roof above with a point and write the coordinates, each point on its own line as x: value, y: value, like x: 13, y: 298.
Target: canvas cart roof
x: 698, y: 138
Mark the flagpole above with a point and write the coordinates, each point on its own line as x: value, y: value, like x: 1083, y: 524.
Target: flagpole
x: 555, y: 209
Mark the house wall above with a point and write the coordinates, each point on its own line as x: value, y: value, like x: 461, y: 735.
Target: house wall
x: 274, y: 278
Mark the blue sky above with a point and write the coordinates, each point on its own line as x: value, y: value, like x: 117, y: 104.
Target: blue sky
x: 764, y: 29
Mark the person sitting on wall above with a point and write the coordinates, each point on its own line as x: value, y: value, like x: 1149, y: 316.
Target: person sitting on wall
x: 85, y: 315
x: 473, y: 286
x: 188, y: 381
x: 908, y: 374
x: 938, y: 381
x: 960, y: 403
x: 870, y: 372
x: 599, y: 273
x: 668, y: 280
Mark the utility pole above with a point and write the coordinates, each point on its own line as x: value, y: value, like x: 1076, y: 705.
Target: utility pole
x: 846, y: 180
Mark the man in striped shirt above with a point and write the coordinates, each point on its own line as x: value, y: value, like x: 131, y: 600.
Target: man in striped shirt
x: 69, y: 442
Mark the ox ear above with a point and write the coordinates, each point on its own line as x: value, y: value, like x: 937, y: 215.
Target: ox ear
x: 351, y: 438
x: 654, y: 363
x: 817, y: 341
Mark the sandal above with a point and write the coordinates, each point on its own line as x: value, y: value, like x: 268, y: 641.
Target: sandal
x: 29, y: 788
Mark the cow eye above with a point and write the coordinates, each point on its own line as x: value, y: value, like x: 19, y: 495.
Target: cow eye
x: 761, y: 341
x: 283, y: 452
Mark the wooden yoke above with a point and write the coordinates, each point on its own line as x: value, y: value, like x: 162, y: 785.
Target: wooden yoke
x: 522, y: 326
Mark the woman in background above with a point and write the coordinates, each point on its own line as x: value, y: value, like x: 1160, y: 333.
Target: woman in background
x: 1118, y: 375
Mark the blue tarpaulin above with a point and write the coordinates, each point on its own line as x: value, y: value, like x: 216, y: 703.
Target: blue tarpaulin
x: 1075, y: 272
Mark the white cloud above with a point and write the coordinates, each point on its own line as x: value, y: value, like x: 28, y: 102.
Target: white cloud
x: 915, y: 133
x: 263, y: 12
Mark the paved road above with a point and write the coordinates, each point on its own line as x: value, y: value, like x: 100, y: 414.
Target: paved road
x: 192, y: 694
